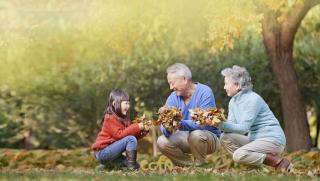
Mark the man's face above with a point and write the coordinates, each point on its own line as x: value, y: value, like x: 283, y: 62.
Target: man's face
x: 177, y: 83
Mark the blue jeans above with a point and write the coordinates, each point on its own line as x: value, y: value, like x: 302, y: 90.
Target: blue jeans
x: 113, y: 151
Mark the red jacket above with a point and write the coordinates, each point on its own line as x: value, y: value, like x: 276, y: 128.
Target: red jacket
x: 113, y: 129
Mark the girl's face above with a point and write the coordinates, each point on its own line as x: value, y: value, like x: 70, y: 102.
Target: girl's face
x: 125, y: 105
x: 231, y: 88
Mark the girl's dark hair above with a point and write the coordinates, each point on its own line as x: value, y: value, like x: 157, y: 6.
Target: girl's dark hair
x: 114, y: 104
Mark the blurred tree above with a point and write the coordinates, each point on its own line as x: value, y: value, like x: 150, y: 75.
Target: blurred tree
x: 63, y: 57
x: 279, y: 29
x: 280, y: 21
x: 307, y: 64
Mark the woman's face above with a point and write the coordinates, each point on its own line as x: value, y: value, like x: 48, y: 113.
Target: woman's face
x: 231, y: 88
x: 125, y: 105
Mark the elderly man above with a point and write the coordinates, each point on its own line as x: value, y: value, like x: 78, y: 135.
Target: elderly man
x: 191, y: 138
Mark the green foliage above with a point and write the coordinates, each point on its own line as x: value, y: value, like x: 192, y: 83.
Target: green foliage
x: 59, y: 64
x: 12, y: 118
x: 62, y: 109
x: 307, y: 57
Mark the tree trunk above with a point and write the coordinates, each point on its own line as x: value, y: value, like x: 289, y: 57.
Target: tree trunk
x: 27, y: 140
x: 278, y: 39
x: 318, y: 127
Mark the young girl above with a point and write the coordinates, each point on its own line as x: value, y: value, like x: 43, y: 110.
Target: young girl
x: 117, y: 134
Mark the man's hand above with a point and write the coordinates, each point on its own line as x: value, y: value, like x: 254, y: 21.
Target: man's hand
x: 212, y: 123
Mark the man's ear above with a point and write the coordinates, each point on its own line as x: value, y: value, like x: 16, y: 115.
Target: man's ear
x: 114, y: 104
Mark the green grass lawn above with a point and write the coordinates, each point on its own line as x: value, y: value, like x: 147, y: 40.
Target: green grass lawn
x: 79, y: 164
x: 45, y: 175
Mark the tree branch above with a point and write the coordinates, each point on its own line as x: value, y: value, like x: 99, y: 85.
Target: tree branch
x: 270, y: 32
x: 293, y: 20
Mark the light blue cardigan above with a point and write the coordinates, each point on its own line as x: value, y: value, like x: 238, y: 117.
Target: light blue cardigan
x: 249, y: 113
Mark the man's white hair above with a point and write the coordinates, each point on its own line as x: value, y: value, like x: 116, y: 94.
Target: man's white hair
x: 238, y: 75
x: 179, y: 69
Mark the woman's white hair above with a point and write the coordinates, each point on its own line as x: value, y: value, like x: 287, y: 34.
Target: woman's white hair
x: 179, y: 69
x: 238, y: 75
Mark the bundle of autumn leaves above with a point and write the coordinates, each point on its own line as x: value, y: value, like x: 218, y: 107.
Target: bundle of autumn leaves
x: 208, y: 116
x: 170, y: 117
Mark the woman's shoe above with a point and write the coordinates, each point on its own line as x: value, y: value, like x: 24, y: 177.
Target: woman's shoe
x: 279, y: 163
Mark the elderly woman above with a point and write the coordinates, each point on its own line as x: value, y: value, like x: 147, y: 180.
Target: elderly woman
x: 249, y: 113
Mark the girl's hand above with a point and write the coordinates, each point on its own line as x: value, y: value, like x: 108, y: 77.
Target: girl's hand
x: 146, y: 127
x: 141, y: 126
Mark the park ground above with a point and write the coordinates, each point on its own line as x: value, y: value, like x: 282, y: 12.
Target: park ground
x: 79, y: 164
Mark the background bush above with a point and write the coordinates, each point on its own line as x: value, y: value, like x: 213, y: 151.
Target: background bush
x: 59, y: 66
